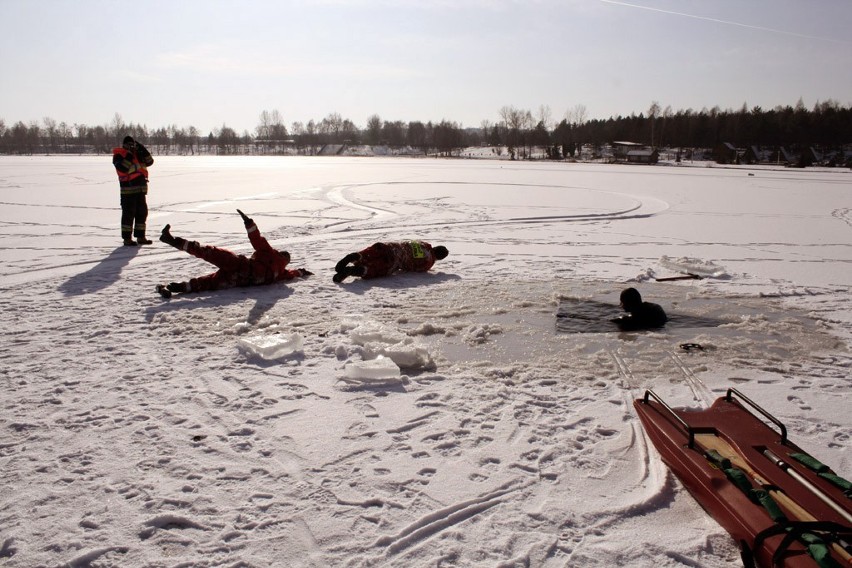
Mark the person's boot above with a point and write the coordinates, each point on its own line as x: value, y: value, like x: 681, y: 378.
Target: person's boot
x: 167, y: 237
x: 351, y: 257
x: 177, y: 287
x: 144, y: 241
x: 164, y: 291
x: 130, y: 243
x: 347, y: 271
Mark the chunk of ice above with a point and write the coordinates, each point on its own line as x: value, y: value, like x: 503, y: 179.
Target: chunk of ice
x: 378, y: 368
x: 272, y: 346
x: 406, y: 354
x: 371, y: 331
x: 693, y: 266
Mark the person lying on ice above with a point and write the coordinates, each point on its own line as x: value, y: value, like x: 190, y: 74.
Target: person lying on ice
x: 383, y: 259
x: 265, y: 266
x: 640, y: 315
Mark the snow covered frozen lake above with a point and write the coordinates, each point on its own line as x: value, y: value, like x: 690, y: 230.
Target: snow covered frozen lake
x: 138, y: 431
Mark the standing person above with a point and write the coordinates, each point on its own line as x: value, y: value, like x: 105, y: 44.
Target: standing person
x: 265, y: 266
x: 383, y: 259
x: 640, y: 315
x: 131, y: 163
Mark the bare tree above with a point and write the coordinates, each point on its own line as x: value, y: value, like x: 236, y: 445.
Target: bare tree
x: 374, y: 129
x: 485, y: 126
x: 277, y: 130
x: 332, y: 125
x: 193, y: 139
x: 228, y: 140
x: 349, y: 132
x: 64, y: 133
x: 418, y: 136
x: 513, y: 120
x: 117, y: 126
x: 311, y: 131
x: 545, y: 117
x: 576, y: 116
x: 667, y: 114
x: 262, y: 128
x: 51, y: 131
x: 653, y: 112
x: 393, y: 133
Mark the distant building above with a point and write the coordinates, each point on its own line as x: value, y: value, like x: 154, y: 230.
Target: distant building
x: 751, y: 155
x: 809, y: 157
x: 331, y: 150
x: 645, y: 156
x: 725, y: 153
x: 621, y: 149
x: 782, y: 156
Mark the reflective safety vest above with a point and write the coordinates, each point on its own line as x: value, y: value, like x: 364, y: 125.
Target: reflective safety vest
x: 131, y: 168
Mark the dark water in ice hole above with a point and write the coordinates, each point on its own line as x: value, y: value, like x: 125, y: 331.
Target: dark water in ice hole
x: 524, y: 334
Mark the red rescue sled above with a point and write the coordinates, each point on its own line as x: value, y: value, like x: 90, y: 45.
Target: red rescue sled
x: 782, y: 507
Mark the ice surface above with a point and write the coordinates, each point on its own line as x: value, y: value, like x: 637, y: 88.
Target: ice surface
x: 520, y: 448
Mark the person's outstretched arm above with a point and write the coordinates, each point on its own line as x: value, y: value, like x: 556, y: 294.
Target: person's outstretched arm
x: 257, y: 240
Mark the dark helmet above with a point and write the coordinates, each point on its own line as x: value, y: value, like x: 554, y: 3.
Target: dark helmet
x: 440, y: 252
x: 630, y: 298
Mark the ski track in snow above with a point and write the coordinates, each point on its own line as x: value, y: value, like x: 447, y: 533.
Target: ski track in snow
x: 134, y: 432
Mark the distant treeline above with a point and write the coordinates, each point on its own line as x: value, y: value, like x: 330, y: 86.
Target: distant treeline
x: 828, y: 126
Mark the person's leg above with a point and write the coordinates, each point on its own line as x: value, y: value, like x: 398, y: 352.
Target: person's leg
x: 348, y: 271
x: 218, y: 280
x: 141, y: 217
x: 351, y: 257
x: 218, y: 257
x: 128, y: 211
x: 221, y: 258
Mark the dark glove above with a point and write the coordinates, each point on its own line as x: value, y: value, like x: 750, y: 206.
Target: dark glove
x: 144, y: 155
x: 248, y: 222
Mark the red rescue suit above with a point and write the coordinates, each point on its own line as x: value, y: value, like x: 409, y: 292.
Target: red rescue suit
x: 383, y: 259
x: 265, y: 266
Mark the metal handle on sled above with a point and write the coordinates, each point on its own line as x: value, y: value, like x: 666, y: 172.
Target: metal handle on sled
x: 689, y: 431
x: 759, y: 409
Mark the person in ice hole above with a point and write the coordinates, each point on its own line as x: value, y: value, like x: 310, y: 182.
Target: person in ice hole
x: 265, y: 266
x: 384, y: 259
x: 640, y: 315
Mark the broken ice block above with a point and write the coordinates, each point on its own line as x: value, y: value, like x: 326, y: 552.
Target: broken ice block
x: 374, y: 331
x: 271, y: 347
x: 378, y: 368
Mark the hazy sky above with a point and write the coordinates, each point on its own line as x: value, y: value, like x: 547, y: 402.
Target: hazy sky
x: 206, y: 63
